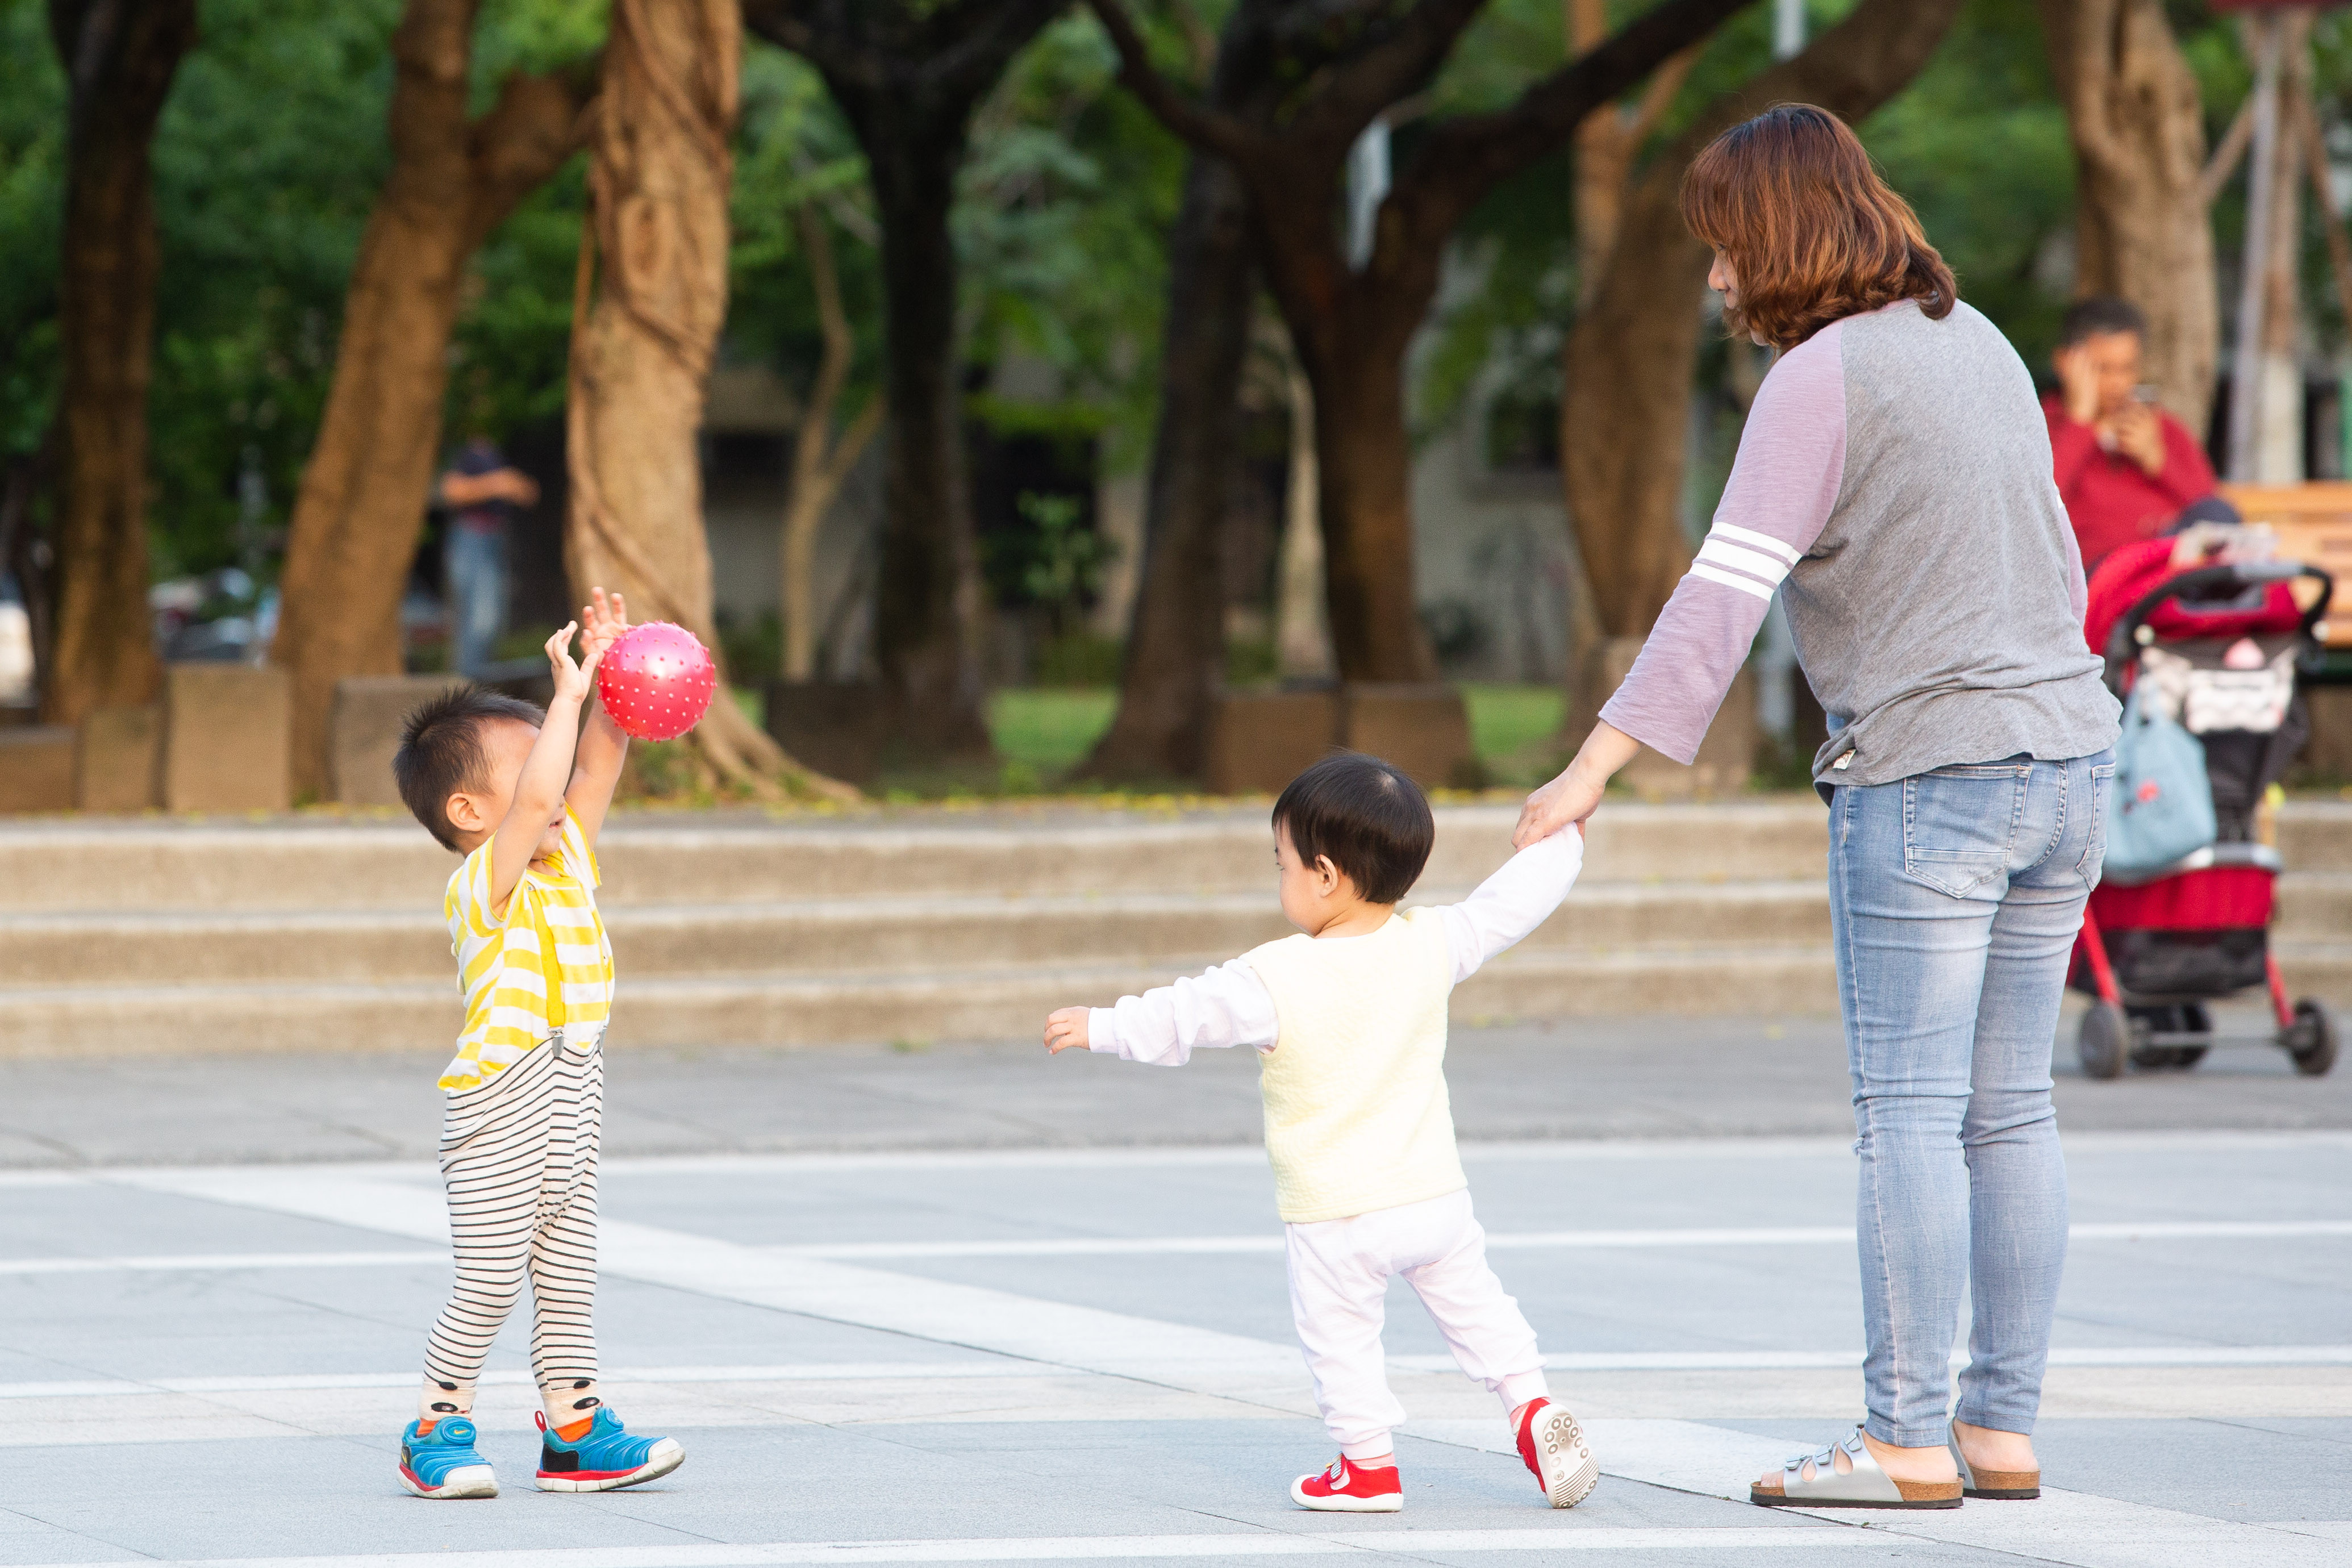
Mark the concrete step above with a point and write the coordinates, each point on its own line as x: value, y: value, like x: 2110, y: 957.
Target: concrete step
x: 2313, y: 906
x: 298, y: 935
x: 983, y: 1003
x: 802, y: 1009
x: 654, y: 858
x: 2315, y: 835
x: 838, y: 937
x: 878, y: 936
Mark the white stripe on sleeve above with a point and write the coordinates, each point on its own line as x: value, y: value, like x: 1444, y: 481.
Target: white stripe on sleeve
x: 1750, y: 537
x: 1700, y: 569
x: 1738, y: 558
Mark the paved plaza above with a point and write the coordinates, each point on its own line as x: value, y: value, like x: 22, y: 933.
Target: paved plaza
x: 971, y: 1305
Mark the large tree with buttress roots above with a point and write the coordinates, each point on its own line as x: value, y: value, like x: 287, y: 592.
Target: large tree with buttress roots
x: 1348, y: 61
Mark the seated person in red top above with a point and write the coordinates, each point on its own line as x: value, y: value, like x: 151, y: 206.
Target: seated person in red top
x: 2126, y: 469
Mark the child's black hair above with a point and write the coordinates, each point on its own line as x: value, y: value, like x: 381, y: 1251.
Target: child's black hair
x: 1367, y: 816
x: 441, y: 751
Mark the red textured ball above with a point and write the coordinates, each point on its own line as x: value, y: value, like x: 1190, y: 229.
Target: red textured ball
x: 657, y: 680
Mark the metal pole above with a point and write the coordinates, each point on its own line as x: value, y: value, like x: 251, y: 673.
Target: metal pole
x: 2261, y: 175
x: 1368, y: 185
x: 1787, y: 28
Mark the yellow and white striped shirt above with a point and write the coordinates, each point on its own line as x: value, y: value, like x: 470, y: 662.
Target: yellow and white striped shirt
x: 547, y: 965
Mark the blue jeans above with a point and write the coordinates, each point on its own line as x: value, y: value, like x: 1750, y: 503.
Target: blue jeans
x: 1955, y: 897
x: 473, y: 561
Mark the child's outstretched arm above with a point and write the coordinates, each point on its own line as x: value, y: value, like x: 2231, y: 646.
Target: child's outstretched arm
x: 1226, y: 1007
x: 540, y: 787
x: 1513, y: 901
x: 603, y: 744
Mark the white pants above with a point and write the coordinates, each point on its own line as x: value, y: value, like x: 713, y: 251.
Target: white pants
x: 1340, y: 1271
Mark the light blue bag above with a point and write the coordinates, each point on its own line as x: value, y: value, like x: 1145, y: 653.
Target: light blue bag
x: 2162, y: 807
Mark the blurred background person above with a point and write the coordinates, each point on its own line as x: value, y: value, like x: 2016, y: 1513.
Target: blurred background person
x: 483, y: 493
x: 2126, y: 469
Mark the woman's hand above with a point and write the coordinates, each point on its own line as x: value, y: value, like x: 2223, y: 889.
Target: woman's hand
x: 2139, y: 435
x: 2078, y: 384
x: 1576, y: 794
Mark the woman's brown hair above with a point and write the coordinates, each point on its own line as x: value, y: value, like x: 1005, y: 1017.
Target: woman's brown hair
x: 1812, y: 231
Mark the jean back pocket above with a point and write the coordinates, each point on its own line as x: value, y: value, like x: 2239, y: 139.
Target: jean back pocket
x: 1959, y: 824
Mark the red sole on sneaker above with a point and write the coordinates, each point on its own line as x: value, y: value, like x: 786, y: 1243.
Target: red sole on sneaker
x: 653, y: 1469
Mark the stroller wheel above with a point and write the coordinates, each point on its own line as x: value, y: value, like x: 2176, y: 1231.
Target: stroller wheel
x: 2310, y: 1041
x: 2186, y: 1019
x: 2104, y: 1041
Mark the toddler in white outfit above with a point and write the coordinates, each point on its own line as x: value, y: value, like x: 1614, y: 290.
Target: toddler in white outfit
x: 1349, y: 1021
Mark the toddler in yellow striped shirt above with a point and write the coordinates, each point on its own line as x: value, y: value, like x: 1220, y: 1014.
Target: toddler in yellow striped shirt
x: 520, y: 794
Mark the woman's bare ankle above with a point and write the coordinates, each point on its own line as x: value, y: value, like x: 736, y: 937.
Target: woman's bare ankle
x: 1990, y: 1449
x: 1913, y: 1464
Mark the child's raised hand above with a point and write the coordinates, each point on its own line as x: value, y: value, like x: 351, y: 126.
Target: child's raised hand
x: 1067, y: 1030
x: 604, y: 619
x: 571, y: 679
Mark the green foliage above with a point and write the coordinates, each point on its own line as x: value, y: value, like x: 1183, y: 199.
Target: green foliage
x: 1079, y: 658
x: 1063, y: 558
x: 268, y: 159
x: 32, y: 202
x: 1978, y: 145
x: 791, y: 146
x: 1061, y: 209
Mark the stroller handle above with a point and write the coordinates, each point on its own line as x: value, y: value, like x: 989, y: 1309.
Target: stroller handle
x: 2124, y: 640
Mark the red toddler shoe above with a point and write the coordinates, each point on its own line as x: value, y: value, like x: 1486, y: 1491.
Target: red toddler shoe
x: 1557, y: 1456
x: 1344, y: 1489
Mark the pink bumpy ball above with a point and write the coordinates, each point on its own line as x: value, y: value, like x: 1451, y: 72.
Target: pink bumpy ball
x: 657, y: 680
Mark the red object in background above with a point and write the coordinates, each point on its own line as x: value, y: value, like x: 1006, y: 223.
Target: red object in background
x: 2111, y: 501
x: 2219, y: 898
x: 657, y: 680
x: 2135, y: 571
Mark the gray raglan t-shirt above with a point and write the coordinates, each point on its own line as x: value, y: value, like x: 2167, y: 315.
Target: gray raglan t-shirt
x: 1894, y: 484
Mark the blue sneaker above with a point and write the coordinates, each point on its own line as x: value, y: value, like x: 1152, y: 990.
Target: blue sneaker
x: 605, y: 1460
x: 444, y: 1462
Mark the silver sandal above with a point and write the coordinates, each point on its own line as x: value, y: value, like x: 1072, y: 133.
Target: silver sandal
x: 2017, y: 1486
x: 1867, y: 1486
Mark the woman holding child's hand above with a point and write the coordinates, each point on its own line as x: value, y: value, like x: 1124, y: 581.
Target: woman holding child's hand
x: 1892, y: 487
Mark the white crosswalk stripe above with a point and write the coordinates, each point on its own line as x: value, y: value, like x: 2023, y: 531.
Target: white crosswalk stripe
x: 1235, y: 1546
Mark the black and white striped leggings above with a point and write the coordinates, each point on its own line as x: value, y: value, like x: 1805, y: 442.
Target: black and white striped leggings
x: 519, y: 1159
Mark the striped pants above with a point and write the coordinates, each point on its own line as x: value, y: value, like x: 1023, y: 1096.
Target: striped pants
x: 518, y: 1158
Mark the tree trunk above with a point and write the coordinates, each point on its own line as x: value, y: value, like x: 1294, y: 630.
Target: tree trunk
x: 2141, y: 228
x: 1176, y: 653
x: 1302, y: 622
x: 119, y: 61
x: 1625, y: 405
x: 369, y: 477
x: 908, y: 74
x: 1352, y: 324
x: 652, y: 296
x: 928, y: 617
x: 2278, y: 435
x: 821, y: 463
x: 1364, y: 481
x: 1627, y: 396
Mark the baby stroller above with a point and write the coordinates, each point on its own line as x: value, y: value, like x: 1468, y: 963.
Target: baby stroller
x: 2212, y: 647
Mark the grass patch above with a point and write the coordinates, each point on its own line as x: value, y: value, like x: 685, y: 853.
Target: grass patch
x: 1049, y: 729
x: 1505, y: 720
